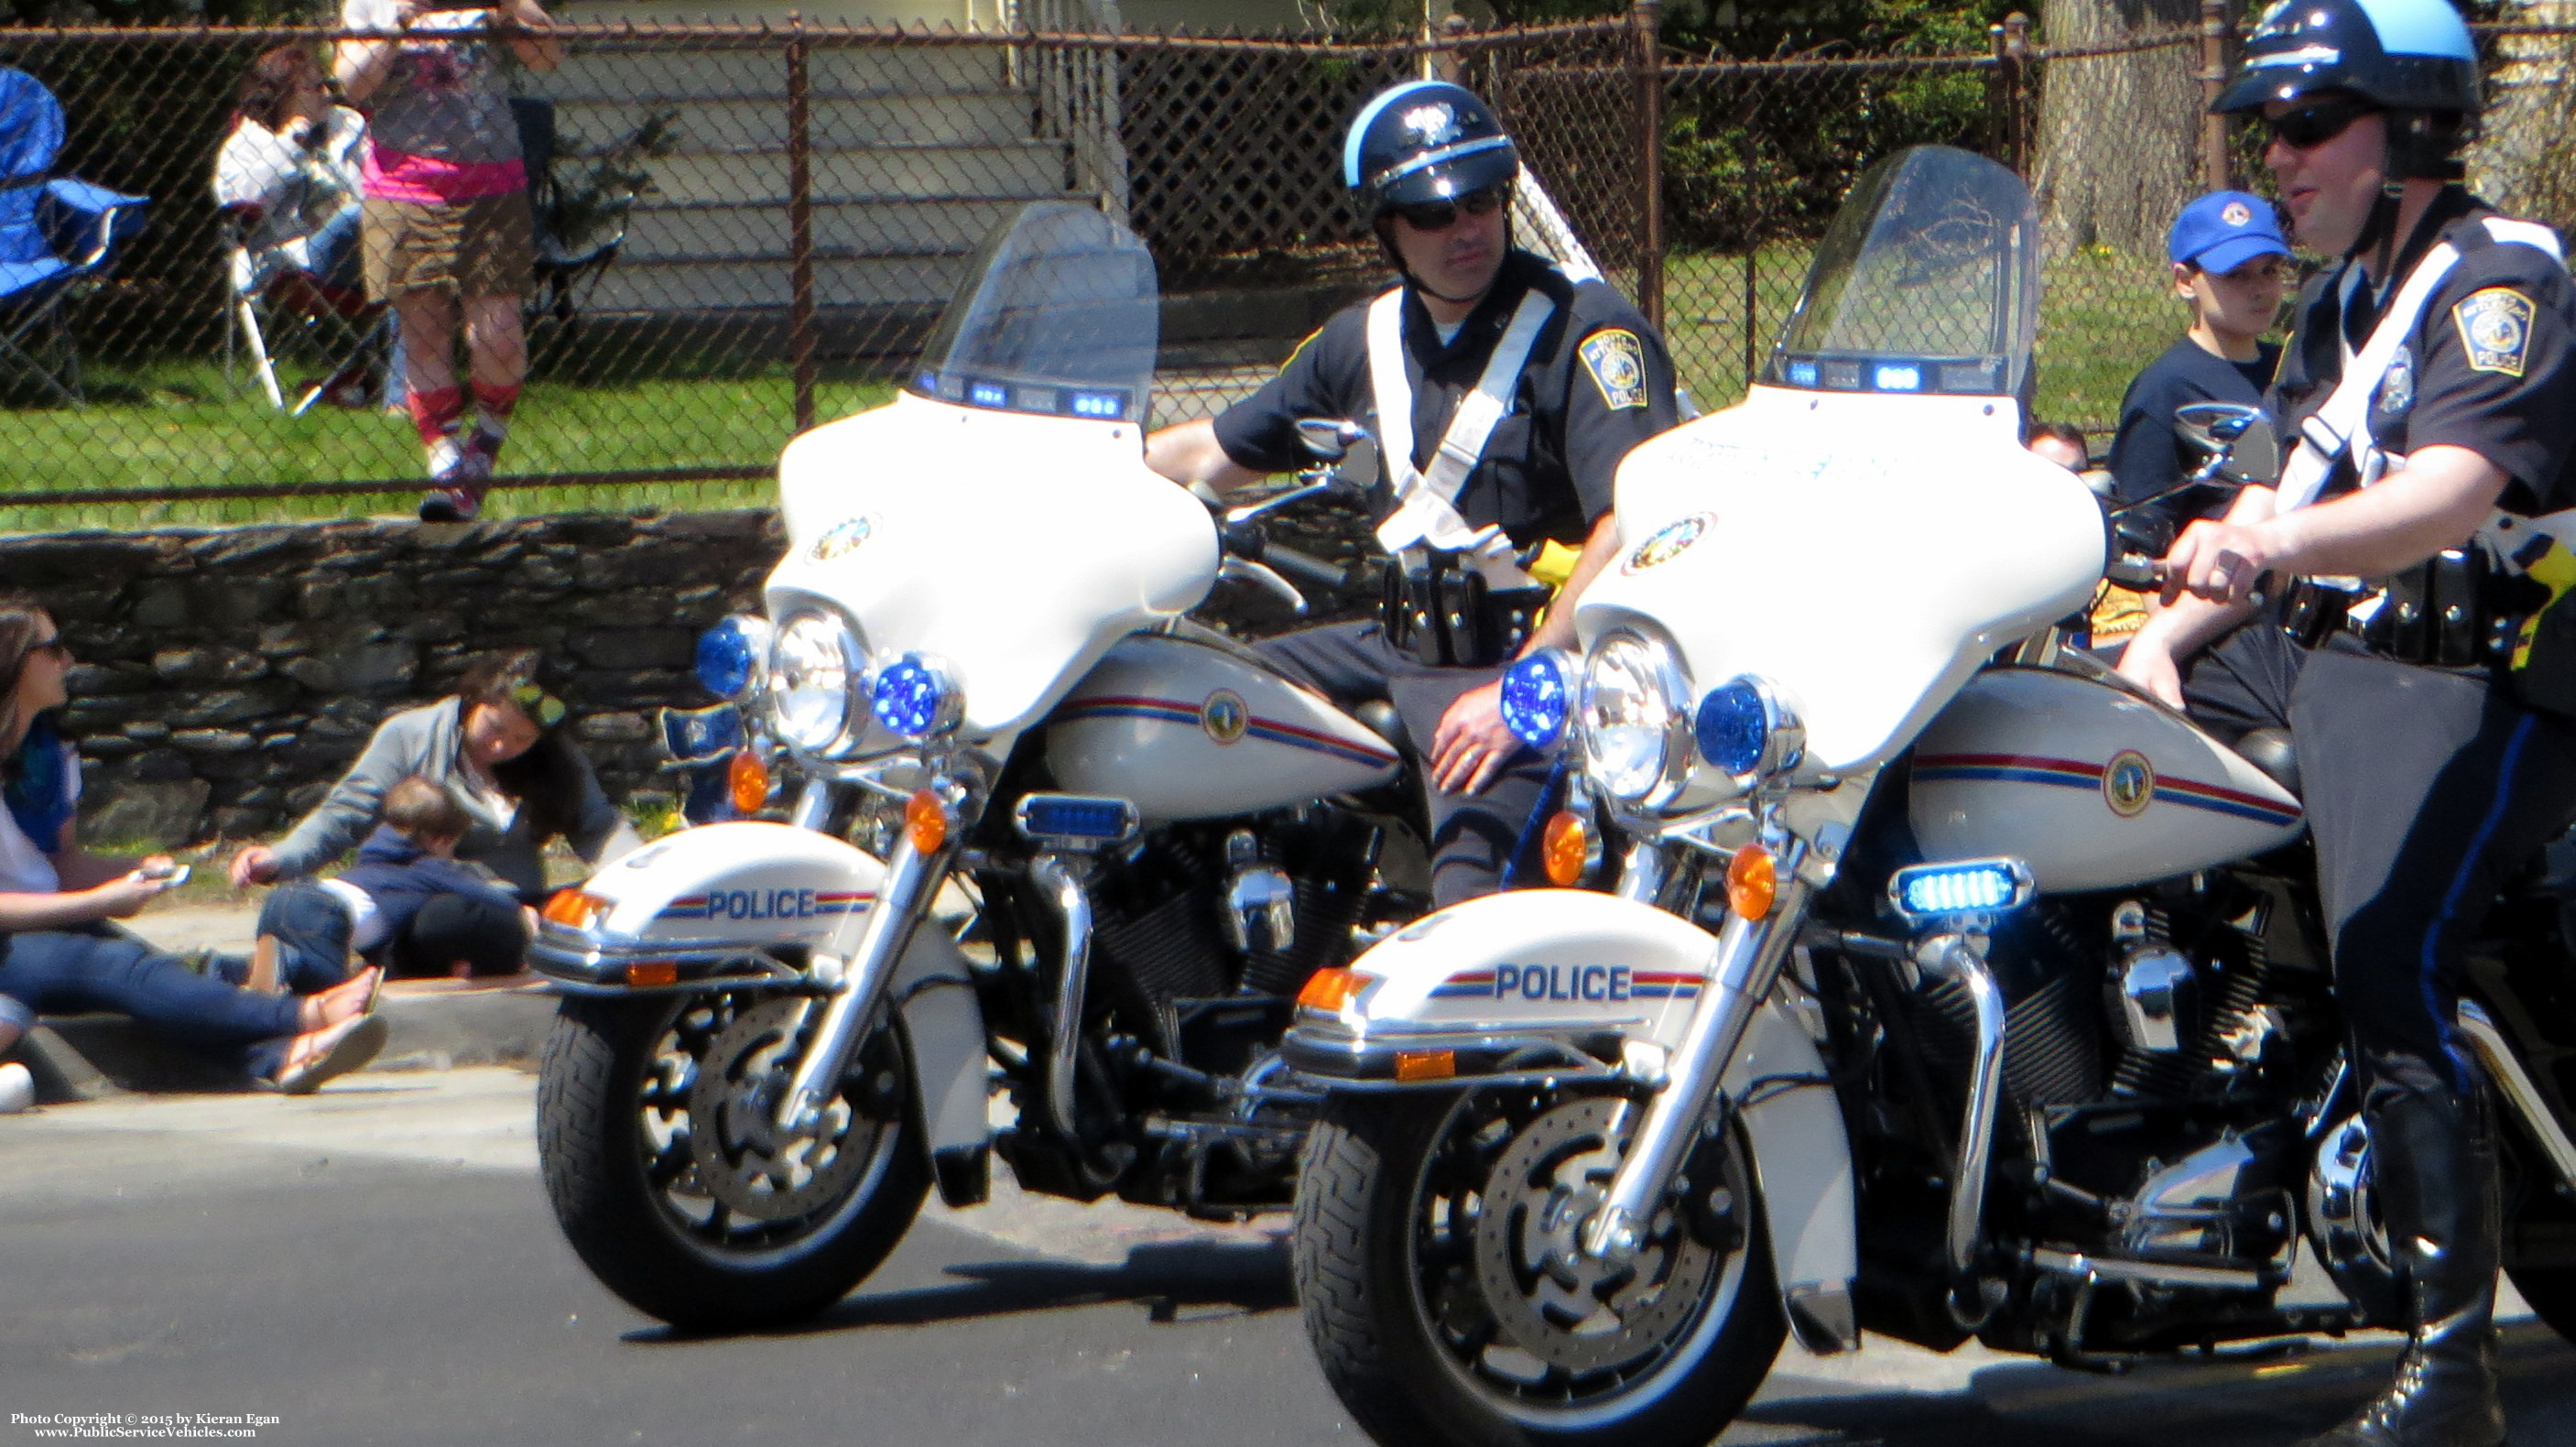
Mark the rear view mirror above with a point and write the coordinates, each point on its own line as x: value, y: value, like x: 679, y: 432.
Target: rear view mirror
x: 2239, y: 434
x: 1344, y: 446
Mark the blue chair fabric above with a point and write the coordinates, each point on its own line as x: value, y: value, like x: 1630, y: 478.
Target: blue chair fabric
x: 57, y: 234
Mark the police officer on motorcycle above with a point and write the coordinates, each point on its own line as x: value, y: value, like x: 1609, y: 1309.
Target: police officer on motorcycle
x: 1503, y: 394
x: 2393, y: 603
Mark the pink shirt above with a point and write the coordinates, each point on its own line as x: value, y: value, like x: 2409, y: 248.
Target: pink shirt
x: 431, y: 181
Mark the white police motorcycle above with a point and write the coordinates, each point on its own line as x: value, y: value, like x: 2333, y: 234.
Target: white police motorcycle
x: 1948, y: 987
x: 1044, y: 828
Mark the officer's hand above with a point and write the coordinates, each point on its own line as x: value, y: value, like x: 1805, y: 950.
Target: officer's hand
x: 2221, y: 561
x: 2149, y: 664
x: 1472, y: 743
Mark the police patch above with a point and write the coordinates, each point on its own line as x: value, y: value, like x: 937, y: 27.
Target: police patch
x: 1617, y: 361
x: 2495, y: 326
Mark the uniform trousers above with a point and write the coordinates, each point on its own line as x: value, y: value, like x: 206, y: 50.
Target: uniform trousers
x: 2427, y: 790
x: 1472, y: 836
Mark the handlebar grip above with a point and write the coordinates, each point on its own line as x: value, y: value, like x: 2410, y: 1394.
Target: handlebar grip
x: 1305, y: 568
x: 2133, y: 572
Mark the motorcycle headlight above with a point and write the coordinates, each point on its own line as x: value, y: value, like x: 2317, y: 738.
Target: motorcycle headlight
x: 817, y: 683
x: 1634, y: 719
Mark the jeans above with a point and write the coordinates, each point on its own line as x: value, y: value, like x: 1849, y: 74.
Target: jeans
x: 312, y: 929
x: 60, y: 972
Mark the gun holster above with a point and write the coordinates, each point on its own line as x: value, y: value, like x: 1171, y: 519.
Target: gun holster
x: 1440, y: 609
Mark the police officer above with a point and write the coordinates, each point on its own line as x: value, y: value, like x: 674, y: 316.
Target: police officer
x: 2408, y: 543
x: 1503, y: 394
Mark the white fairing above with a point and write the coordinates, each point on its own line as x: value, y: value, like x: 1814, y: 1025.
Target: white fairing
x: 1550, y: 960
x: 1189, y: 730
x: 1866, y: 553
x: 1015, y: 548
x: 2091, y: 786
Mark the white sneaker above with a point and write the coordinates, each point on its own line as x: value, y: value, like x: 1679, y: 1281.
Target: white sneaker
x: 17, y: 1088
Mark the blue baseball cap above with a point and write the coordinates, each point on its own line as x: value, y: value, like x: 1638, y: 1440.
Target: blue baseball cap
x: 2224, y: 230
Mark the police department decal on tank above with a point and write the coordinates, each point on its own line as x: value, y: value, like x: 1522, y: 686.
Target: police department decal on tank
x: 1668, y: 543
x: 843, y: 538
x: 1225, y: 716
x: 2495, y: 326
x: 1617, y: 362
x: 2397, y: 385
x: 2128, y: 783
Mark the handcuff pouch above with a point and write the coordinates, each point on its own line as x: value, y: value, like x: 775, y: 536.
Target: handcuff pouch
x: 1440, y: 609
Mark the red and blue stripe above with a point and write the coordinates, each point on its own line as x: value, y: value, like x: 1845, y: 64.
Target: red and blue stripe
x: 2077, y: 774
x: 1172, y: 711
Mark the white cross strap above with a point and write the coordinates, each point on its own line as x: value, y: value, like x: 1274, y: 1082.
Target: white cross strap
x: 1426, y: 508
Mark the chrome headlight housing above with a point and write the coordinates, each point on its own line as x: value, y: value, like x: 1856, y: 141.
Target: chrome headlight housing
x: 818, y: 684
x: 1634, y: 719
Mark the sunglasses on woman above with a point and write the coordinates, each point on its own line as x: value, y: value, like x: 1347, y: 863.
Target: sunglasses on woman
x: 1441, y: 215
x: 55, y: 646
x: 2317, y: 122
x: 542, y: 708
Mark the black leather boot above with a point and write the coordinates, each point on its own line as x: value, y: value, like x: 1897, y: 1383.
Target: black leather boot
x: 2433, y: 1160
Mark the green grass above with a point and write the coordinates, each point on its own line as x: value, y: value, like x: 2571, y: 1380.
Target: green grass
x: 2103, y: 316
x: 177, y: 424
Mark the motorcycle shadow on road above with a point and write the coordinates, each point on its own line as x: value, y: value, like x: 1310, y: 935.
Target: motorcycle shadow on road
x: 2245, y: 1401
x: 1175, y: 1281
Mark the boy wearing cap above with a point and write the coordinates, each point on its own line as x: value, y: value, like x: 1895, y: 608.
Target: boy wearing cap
x: 2230, y: 266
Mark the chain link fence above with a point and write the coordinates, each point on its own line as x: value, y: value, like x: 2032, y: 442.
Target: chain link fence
x: 745, y: 230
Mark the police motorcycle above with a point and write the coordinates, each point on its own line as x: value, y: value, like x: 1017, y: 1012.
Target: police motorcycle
x: 1948, y: 985
x: 1045, y: 829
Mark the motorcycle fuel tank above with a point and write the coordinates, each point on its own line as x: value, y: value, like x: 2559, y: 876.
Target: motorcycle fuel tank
x: 2091, y: 786
x: 1190, y: 730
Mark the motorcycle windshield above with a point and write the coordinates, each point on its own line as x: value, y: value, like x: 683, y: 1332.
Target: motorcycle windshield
x: 1927, y: 282
x: 1058, y: 317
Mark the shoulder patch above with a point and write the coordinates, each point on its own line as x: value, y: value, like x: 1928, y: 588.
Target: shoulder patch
x: 1617, y: 362
x: 2495, y: 327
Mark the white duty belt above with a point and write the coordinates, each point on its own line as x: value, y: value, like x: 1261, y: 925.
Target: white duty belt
x: 1426, y: 500
x: 2341, y: 427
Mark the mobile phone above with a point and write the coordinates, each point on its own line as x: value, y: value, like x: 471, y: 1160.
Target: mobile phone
x: 168, y: 876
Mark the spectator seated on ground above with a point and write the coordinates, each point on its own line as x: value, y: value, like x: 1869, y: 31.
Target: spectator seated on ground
x: 58, y: 952
x: 409, y: 906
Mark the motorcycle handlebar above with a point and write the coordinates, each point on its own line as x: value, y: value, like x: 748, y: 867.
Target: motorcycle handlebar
x: 1306, y: 568
x: 2134, y: 572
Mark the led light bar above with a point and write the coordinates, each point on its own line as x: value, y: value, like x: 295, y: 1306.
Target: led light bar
x: 1964, y: 887
x: 1074, y: 819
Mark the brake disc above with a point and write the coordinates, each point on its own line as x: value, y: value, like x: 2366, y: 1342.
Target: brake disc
x: 1567, y: 1309
x: 742, y: 1158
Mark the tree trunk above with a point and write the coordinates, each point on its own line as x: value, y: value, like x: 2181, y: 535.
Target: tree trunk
x: 2119, y: 135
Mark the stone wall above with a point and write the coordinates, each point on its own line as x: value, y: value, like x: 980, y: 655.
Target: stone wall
x: 225, y: 676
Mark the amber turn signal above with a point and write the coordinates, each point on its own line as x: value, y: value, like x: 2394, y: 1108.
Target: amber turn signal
x: 1425, y: 1064
x: 574, y: 909
x: 748, y: 777
x: 650, y: 973
x: 1751, y: 882
x: 925, y: 821
x: 1331, y: 989
x: 1565, y: 848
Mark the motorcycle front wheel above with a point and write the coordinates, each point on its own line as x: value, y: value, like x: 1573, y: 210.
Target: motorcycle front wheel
x: 654, y: 1130
x: 1435, y: 1269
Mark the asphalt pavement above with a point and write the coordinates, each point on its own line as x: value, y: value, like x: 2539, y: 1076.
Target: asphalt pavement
x: 376, y: 1264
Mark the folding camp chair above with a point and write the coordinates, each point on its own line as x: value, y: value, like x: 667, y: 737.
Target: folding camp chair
x: 280, y: 304
x: 580, y: 218
x: 58, y: 237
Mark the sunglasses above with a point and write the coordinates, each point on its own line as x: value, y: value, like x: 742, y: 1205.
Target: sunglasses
x: 2316, y: 123
x: 54, y: 645
x: 541, y: 707
x: 1441, y: 215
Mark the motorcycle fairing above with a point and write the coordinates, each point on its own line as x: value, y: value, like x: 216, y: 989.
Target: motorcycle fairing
x: 1437, y: 985
x: 1946, y: 539
x: 932, y: 524
x: 723, y: 890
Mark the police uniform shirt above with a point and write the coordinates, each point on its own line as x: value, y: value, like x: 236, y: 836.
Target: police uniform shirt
x: 2486, y: 368
x: 2146, y: 455
x: 1597, y: 383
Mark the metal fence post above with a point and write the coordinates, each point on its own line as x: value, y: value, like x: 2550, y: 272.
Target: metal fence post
x: 2213, y: 75
x: 1646, y: 17
x: 1752, y: 313
x: 800, y: 220
x: 2012, y: 54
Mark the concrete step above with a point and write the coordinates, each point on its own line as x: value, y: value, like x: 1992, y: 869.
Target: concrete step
x: 1031, y: 169
x: 648, y: 286
x: 434, y: 1027
x: 978, y: 118
x: 895, y: 227
x: 606, y: 70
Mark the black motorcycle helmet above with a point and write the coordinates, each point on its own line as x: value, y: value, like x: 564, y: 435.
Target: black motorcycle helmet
x: 2413, y: 59
x: 1425, y: 140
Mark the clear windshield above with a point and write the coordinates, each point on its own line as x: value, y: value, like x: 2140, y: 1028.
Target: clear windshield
x: 1058, y: 317
x: 1928, y: 281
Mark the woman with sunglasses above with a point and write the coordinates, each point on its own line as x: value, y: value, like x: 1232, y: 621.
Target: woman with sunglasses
x: 59, y: 954
x: 2402, y: 561
x: 1503, y: 393
x: 500, y: 746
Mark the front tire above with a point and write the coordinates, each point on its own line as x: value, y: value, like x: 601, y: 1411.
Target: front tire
x: 1430, y: 1271
x: 652, y: 1136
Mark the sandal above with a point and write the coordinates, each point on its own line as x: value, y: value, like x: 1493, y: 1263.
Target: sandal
x: 317, y: 1057
x: 333, y: 1004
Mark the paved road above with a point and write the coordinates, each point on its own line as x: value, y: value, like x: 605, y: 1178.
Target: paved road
x: 376, y: 1265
